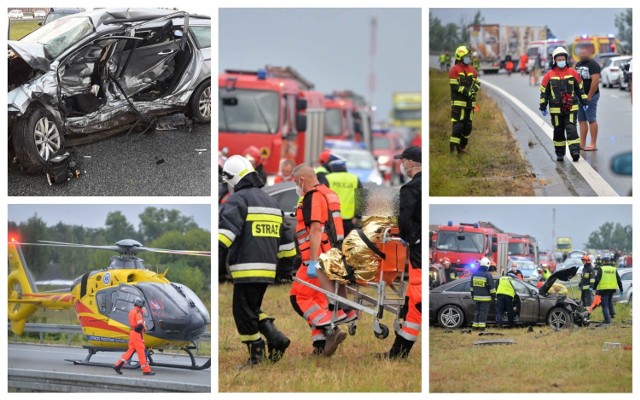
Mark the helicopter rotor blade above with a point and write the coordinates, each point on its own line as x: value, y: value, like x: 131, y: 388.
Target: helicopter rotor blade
x: 77, y: 245
x: 119, y: 248
x: 199, y: 253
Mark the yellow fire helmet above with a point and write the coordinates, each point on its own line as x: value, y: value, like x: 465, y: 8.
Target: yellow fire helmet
x: 461, y: 52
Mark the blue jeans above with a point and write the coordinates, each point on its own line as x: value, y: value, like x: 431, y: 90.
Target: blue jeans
x: 607, y: 307
x: 590, y: 115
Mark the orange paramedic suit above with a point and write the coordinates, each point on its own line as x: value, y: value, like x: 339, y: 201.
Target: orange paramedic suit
x: 136, y: 340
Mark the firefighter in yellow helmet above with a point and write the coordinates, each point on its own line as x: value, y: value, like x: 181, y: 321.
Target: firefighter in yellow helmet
x: 562, y: 90
x: 464, y: 83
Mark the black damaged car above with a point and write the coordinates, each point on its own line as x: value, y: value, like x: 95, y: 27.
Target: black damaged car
x: 451, y: 306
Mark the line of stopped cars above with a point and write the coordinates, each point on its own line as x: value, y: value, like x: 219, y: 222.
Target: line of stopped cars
x: 98, y: 73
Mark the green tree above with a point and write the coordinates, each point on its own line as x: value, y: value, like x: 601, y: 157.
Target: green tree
x: 624, y: 23
x: 36, y: 257
x: 156, y: 221
x: 118, y: 228
x: 611, y: 236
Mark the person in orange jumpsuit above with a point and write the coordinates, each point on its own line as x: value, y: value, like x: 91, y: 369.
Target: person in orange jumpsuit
x: 136, y: 339
x: 318, y: 219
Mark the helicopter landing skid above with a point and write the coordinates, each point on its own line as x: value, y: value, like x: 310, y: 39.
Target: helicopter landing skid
x: 193, y: 365
x: 94, y: 351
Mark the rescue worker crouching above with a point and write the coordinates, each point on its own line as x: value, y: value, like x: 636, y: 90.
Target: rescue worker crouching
x: 253, y: 235
x: 346, y: 186
x: 318, y: 229
x: 562, y: 90
x: 464, y: 83
x: 136, y: 339
x: 482, y: 291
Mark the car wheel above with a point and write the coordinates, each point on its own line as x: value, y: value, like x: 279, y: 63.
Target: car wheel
x: 559, y: 318
x: 37, y: 137
x: 200, y: 105
x: 451, y: 317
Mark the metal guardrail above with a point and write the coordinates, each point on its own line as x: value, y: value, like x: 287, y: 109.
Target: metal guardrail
x: 69, y: 330
x: 30, y: 380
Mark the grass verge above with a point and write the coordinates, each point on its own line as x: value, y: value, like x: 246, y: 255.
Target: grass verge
x: 571, y: 360
x: 352, y: 369
x: 493, y: 165
x: 21, y: 28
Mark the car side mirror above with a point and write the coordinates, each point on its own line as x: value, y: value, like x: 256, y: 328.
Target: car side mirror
x: 301, y: 122
x: 622, y: 164
x: 301, y: 104
x: 494, y: 248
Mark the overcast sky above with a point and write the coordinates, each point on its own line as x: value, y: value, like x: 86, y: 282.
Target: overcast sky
x: 329, y: 47
x: 94, y: 216
x: 564, y: 23
x: 575, y: 221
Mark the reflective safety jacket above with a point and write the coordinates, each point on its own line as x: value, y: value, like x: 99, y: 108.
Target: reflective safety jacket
x: 345, y: 185
x: 562, y: 90
x: 482, y: 288
x: 450, y: 274
x: 505, y: 287
x: 608, y: 278
x: 136, y: 318
x: 588, y: 277
x: 251, y: 227
x: 464, y: 83
x: 442, y: 57
x: 321, y: 205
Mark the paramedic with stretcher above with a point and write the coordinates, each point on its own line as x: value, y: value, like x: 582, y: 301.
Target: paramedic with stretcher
x: 562, y: 89
x: 136, y: 339
x: 251, y: 231
x: 410, y: 226
x: 318, y: 229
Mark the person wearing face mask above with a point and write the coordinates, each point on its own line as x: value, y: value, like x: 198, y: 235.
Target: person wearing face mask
x: 410, y: 226
x: 286, y: 171
x: 562, y: 90
x: 318, y: 229
x: 252, y: 238
x: 464, y: 83
x: 589, y: 71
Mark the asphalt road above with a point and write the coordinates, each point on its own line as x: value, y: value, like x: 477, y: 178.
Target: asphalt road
x: 160, y: 163
x: 52, y: 358
x: 614, y: 120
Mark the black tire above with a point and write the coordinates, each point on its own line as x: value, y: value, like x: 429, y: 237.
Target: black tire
x: 32, y: 153
x: 200, y: 106
x: 559, y: 318
x: 451, y: 317
x: 384, y: 332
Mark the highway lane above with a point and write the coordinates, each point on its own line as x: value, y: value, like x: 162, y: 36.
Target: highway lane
x: 52, y: 358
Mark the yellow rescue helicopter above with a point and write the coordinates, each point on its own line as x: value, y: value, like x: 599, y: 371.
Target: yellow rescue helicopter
x: 174, y: 315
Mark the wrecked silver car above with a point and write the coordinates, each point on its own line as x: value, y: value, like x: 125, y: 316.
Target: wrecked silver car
x: 95, y: 74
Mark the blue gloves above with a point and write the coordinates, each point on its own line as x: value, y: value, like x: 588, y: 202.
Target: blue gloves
x: 621, y: 293
x: 543, y: 112
x: 585, y: 108
x: 312, y: 269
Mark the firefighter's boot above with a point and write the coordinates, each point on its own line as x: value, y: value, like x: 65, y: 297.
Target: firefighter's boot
x: 118, y: 367
x: 256, y: 354
x: 277, y: 342
x: 332, y: 341
x: 400, y: 349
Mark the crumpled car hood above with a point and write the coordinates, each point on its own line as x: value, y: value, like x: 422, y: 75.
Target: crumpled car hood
x: 32, y: 53
x: 564, y: 275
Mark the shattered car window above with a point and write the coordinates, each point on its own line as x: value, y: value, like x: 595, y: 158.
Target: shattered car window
x: 203, y: 36
x: 59, y: 35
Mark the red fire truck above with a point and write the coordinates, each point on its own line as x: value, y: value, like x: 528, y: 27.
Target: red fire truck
x: 523, y: 246
x: 347, y: 117
x: 465, y: 244
x: 274, y: 109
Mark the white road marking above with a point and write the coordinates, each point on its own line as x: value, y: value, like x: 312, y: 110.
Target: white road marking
x: 597, y: 183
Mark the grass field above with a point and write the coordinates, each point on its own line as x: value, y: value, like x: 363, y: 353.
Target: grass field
x: 493, y: 165
x: 352, y: 369
x: 571, y: 360
x: 20, y: 28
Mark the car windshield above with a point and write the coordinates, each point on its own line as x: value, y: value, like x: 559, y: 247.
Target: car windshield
x: 403, y: 115
x: 59, y: 35
x: 243, y: 110
x: 525, y: 264
x: 516, y: 248
x: 461, y: 242
x: 380, y: 143
x: 333, y: 122
x: 357, y: 159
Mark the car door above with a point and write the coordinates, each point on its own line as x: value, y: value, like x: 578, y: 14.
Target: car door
x: 144, y: 63
x: 529, y: 302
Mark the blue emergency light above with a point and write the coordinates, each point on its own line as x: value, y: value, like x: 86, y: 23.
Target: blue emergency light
x: 476, y: 225
x: 344, y: 144
x: 450, y: 223
x: 262, y: 74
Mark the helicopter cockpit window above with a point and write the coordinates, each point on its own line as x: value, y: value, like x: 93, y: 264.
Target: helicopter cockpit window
x: 163, y: 299
x: 105, y: 299
x: 124, y: 303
